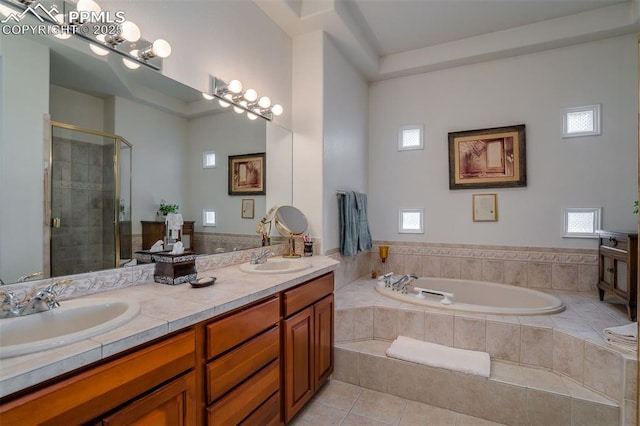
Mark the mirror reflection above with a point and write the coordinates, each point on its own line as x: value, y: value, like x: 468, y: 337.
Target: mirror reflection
x: 169, y: 130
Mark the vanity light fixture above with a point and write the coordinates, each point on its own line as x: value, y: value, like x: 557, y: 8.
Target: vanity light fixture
x: 98, y: 50
x: 129, y: 44
x: 233, y: 94
x: 132, y: 65
x: 129, y: 32
x: 160, y: 48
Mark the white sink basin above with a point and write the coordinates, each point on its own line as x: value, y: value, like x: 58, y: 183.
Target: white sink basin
x: 275, y: 266
x: 74, y: 320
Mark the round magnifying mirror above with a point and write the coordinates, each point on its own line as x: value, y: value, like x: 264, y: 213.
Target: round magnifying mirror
x: 290, y: 222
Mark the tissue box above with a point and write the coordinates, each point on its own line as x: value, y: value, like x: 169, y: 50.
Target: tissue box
x: 174, y: 269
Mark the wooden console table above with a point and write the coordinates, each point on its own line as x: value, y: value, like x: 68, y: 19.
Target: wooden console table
x: 618, y: 267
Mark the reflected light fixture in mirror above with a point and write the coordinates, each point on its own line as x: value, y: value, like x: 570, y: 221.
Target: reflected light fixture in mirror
x: 232, y: 93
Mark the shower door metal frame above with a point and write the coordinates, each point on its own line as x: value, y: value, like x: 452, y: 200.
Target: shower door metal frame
x: 117, y: 183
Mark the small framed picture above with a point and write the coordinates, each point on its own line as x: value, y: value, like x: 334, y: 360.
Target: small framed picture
x: 248, y: 206
x: 485, y: 207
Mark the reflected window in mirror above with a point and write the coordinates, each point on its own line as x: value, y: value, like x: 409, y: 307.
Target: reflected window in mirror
x: 208, y: 160
x: 208, y: 217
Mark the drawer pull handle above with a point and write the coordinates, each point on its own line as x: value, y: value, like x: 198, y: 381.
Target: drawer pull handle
x: 613, y: 241
x: 612, y: 270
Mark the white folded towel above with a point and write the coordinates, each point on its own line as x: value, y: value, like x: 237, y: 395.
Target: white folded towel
x: 623, y: 336
x: 434, y: 355
x: 174, y: 223
x: 157, y: 246
x: 178, y: 248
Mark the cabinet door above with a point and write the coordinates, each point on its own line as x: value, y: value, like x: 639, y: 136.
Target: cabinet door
x: 298, y: 364
x: 323, y: 318
x: 173, y: 404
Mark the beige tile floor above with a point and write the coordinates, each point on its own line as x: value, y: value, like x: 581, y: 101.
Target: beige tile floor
x: 340, y: 403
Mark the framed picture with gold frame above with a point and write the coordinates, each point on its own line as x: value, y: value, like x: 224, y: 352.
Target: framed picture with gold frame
x: 485, y: 207
x: 487, y: 158
x: 248, y: 207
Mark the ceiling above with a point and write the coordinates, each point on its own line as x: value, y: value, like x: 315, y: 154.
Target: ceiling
x: 388, y: 38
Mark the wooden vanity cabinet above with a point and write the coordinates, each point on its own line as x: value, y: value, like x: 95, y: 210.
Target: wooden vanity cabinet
x: 153, y: 385
x: 618, y: 267
x: 256, y: 365
x: 242, y: 377
x: 308, y: 341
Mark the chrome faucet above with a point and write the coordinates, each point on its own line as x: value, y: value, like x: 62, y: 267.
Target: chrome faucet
x: 257, y: 259
x: 39, y: 301
x: 404, y: 282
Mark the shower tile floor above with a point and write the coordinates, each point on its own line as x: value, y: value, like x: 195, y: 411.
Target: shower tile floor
x: 340, y: 403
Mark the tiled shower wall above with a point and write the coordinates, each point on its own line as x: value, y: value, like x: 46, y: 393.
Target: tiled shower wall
x: 82, y: 197
x: 541, y: 268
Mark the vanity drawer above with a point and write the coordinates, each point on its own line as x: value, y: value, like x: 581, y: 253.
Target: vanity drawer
x: 267, y: 415
x: 614, y: 240
x: 300, y: 297
x: 234, y: 367
x: 234, y: 329
x: 243, y: 400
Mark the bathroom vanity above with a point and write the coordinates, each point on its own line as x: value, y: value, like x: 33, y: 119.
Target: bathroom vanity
x: 234, y: 366
x: 618, y: 267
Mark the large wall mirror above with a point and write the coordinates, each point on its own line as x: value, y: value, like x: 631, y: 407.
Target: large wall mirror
x: 169, y: 127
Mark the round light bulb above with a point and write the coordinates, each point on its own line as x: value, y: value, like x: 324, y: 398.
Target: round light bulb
x: 251, y: 95
x: 238, y: 110
x: 59, y: 18
x: 243, y: 103
x: 98, y: 50
x: 62, y: 36
x: 101, y: 38
x: 251, y: 116
x: 224, y: 104
x: 131, y: 32
x: 207, y: 96
x: 235, y: 86
x: 264, y: 102
x: 277, y: 109
x: 161, y: 48
x: 88, y: 6
x: 130, y: 64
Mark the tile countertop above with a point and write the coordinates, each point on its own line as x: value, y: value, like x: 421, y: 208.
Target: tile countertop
x: 163, y: 309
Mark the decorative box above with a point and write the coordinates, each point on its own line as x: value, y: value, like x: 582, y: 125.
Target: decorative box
x: 174, y: 269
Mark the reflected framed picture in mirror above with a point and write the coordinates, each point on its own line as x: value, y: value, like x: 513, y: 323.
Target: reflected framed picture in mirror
x: 247, y: 174
x: 248, y: 207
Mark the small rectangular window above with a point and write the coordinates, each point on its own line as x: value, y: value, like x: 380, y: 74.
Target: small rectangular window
x: 581, y: 222
x: 208, y: 160
x: 410, y: 137
x: 411, y: 221
x: 581, y: 121
x: 208, y: 217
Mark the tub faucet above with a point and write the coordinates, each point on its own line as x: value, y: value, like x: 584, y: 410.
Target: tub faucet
x: 257, y: 259
x: 404, y: 282
x: 29, y: 276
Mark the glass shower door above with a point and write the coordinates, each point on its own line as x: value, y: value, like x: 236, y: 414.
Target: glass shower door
x: 83, y: 200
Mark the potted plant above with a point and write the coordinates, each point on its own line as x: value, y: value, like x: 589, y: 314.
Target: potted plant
x: 165, y: 209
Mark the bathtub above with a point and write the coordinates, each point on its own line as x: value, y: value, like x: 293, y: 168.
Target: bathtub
x: 477, y: 296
